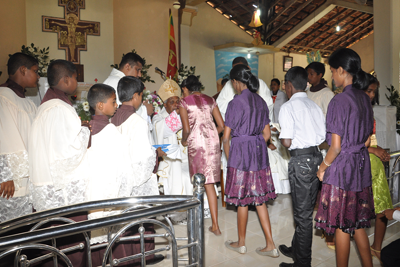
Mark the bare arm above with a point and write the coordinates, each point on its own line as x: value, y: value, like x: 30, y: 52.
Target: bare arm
x: 225, y: 140
x: 218, y: 118
x: 333, y: 152
x: 185, y: 125
x: 266, y: 133
x: 286, y: 142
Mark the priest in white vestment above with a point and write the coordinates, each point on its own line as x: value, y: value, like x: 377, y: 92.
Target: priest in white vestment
x: 173, y: 170
x: 16, y: 116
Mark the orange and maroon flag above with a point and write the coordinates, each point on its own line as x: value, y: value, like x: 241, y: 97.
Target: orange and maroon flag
x: 172, y: 60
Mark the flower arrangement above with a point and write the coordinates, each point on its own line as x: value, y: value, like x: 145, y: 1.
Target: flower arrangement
x: 42, y: 56
x: 83, y: 110
x: 183, y: 73
x: 394, y: 99
x: 154, y: 99
x: 145, y: 77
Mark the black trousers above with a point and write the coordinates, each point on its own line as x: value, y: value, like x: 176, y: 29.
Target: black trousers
x: 390, y: 255
x: 304, y: 185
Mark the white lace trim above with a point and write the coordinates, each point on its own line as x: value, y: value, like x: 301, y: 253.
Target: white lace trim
x: 14, y: 207
x: 47, y: 197
x: 100, y: 235
x: 150, y: 188
x: 60, y: 169
x: 14, y: 166
x: 143, y: 170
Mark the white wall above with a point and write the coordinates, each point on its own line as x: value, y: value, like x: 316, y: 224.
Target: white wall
x: 99, y: 55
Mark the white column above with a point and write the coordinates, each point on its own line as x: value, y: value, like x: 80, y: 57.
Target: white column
x: 387, y: 45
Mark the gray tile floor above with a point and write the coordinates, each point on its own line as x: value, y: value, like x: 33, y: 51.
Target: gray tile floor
x: 280, y: 210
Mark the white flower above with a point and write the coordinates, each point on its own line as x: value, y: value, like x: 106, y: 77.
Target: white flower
x: 85, y: 104
x: 149, y: 97
x: 86, y: 108
x: 398, y: 122
x: 44, y: 70
x: 157, y: 109
x: 30, y: 49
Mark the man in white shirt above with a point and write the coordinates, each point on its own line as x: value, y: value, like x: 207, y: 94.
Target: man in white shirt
x: 390, y: 255
x: 302, y: 130
x: 131, y: 65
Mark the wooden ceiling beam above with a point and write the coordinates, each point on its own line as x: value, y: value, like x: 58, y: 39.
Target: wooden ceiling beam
x: 274, y: 18
x: 239, y: 2
x: 338, y: 14
x: 221, y: 4
x: 310, y: 48
x: 356, y: 36
x: 354, y: 6
x: 334, y: 33
x: 270, y: 33
x: 349, y: 32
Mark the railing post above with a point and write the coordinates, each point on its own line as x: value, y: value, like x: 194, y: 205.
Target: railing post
x: 198, y: 181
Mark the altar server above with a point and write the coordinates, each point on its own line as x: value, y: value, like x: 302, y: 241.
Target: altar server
x: 16, y: 116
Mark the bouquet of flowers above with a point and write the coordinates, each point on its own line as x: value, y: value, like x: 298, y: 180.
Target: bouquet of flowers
x: 83, y: 110
x: 42, y: 56
x: 183, y: 73
x: 154, y: 99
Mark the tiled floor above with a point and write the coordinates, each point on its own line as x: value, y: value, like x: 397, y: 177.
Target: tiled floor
x: 280, y: 210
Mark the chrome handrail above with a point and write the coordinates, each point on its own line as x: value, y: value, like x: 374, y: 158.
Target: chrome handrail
x: 163, y: 205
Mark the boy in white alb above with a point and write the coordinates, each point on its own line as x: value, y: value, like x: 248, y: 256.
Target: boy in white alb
x: 302, y: 130
x: 58, y: 143
x: 16, y: 116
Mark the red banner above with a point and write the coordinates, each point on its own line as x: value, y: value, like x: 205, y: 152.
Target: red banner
x: 172, y: 60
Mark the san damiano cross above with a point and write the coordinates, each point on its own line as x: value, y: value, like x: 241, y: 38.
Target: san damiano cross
x: 72, y: 32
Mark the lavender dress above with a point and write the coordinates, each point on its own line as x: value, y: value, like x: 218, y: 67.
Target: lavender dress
x: 346, y: 195
x: 248, y: 178
x: 203, y: 142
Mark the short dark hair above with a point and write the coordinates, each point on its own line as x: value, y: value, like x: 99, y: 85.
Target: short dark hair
x: 99, y: 93
x: 277, y: 81
x: 132, y: 59
x: 128, y: 86
x: 298, y: 76
x: 192, y: 83
x: 240, y: 60
x: 59, y: 69
x: 318, y: 67
x: 18, y: 60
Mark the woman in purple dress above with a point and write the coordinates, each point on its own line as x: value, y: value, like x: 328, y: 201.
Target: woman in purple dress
x: 347, y: 205
x: 201, y: 136
x: 248, y: 178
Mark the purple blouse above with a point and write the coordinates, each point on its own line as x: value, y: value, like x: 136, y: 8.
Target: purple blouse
x: 247, y: 114
x: 350, y: 116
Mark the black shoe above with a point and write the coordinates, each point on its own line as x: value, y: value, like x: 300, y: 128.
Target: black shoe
x: 284, y: 264
x: 157, y: 258
x: 286, y: 251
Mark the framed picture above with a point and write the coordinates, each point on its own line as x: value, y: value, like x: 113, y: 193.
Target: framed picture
x: 287, y: 63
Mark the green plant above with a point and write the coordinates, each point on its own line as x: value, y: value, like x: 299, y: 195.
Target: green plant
x: 145, y: 77
x: 184, y: 72
x: 394, y: 99
x: 42, y: 56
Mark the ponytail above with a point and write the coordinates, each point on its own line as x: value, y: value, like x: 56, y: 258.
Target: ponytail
x: 242, y: 73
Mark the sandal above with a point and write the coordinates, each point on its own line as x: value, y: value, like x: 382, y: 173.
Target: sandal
x: 330, y: 245
x: 375, y: 255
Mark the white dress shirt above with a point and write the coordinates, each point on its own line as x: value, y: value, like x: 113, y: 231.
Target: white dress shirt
x: 396, y: 215
x: 302, y: 121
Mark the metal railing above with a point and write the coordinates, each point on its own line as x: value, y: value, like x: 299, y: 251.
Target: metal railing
x: 150, y: 206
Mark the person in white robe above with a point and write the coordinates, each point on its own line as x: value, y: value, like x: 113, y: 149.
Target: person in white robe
x: 16, y: 117
x: 58, y: 144
x: 131, y: 65
x: 278, y: 155
x: 173, y: 171
x: 228, y: 93
x: 319, y: 91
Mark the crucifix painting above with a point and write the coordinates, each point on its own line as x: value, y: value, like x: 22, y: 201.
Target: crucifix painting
x: 71, y: 31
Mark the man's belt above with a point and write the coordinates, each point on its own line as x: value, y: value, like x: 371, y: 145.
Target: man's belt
x: 303, y: 151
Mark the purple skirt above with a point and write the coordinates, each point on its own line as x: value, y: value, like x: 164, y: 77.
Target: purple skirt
x: 346, y: 210
x: 249, y: 188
